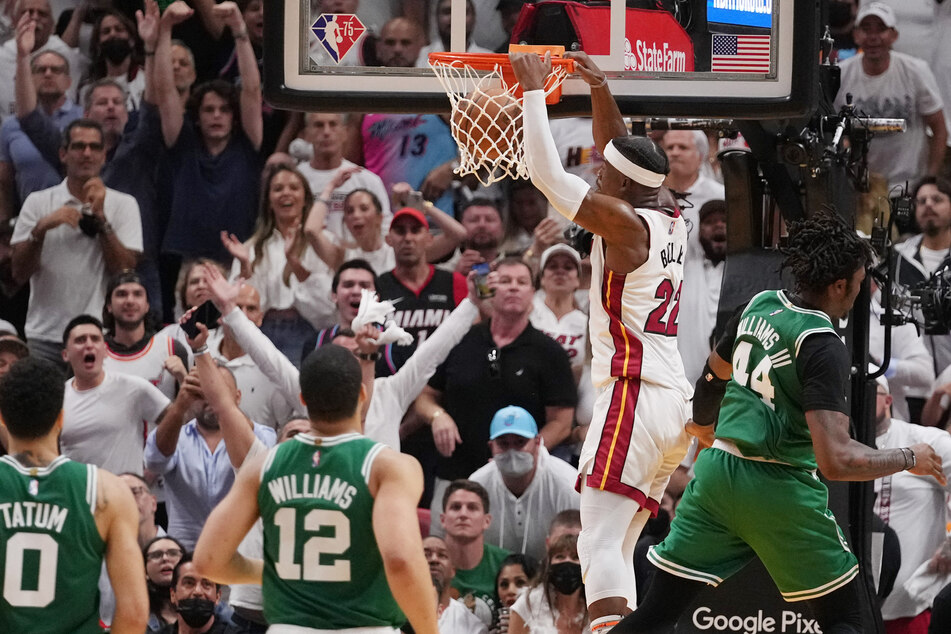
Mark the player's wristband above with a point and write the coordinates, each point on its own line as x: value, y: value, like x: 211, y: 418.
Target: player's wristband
x: 910, y: 460
x: 200, y: 350
x: 707, y: 395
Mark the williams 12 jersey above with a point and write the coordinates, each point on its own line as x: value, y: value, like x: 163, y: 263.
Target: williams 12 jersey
x: 633, y: 316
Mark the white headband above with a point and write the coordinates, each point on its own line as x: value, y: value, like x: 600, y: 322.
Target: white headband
x: 627, y: 167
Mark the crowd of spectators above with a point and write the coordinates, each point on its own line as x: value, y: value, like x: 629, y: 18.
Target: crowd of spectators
x: 143, y: 176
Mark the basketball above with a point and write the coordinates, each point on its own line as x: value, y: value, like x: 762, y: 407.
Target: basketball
x: 486, y: 123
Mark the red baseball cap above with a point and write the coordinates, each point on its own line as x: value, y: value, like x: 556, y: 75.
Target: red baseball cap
x: 415, y: 214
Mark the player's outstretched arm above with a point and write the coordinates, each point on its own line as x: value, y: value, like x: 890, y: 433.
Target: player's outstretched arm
x: 606, y: 119
x: 216, y: 553
x: 570, y: 195
x: 396, y: 483
x: 236, y: 428
x: 841, y: 458
x: 117, y: 520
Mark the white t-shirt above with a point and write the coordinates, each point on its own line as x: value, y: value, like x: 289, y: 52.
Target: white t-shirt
x: 488, y: 30
x: 107, y: 425
x: 571, y: 331
x: 311, y: 298
x: 363, y: 179
x: 911, y: 370
x: 381, y: 261
x: 914, y: 506
x: 261, y: 400
x: 940, y: 48
x: 699, y: 299
x: 907, y: 90
x: 702, y: 190
x: 457, y: 619
x: 538, y: 616
x: 520, y: 524
x: 931, y: 258
x: 71, y: 279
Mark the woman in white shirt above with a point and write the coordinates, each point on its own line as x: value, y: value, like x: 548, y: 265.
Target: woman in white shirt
x: 557, y: 313
x: 556, y: 603
x: 363, y: 218
x: 294, y: 284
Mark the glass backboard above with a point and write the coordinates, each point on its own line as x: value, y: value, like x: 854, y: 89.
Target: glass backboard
x: 700, y: 58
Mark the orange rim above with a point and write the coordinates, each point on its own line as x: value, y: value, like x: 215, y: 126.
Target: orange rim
x: 488, y: 61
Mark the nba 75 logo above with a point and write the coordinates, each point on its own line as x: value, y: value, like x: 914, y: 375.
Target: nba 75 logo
x: 338, y: 32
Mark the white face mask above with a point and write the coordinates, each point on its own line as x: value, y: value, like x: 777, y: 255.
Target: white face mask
x: 514, y: 463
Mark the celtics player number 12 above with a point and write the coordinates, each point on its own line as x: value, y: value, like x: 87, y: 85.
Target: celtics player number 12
x: 286, y: 521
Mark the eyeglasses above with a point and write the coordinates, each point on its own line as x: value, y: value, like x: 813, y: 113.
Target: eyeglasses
x: 495, y: 367
x: 49, y: 68
x: 79, y: 146
x: 158, y: 555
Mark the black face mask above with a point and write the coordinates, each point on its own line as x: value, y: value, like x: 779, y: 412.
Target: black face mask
x: 196, y: 611
x: 116, y: 49
x: 565, y: 577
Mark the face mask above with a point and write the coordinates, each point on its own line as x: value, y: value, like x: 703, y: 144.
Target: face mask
x: 565, y: 577
x: 196, y: 611
x: 116, y: 50
x: 514, y: 463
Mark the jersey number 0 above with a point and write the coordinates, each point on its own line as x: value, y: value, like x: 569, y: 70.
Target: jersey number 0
x: 13, y: 573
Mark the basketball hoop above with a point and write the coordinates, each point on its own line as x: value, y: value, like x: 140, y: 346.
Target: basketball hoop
x: 486, y: 102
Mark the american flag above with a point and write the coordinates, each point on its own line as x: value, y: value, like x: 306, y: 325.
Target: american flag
x: 740, y: 54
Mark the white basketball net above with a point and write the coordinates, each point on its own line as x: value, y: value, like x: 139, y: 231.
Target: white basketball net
x: 489, y: 148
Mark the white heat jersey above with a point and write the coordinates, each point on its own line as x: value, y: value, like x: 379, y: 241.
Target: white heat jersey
x: 571, y: 331
x: 148, y: 363
x: 633, y: 317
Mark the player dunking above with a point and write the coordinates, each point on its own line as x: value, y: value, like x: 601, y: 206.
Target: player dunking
x: 60, y: 519
x: 637, y: 435
x: 342, y: 547
x: 784, y: 413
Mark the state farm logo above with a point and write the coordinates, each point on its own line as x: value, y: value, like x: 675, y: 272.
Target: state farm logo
x: 654, y: 56
x: 338, y: 33
x: 789, y: 621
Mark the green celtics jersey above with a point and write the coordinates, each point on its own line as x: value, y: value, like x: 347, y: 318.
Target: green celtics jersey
x: 762, y: 409
x: 50, y: 548
x: 322, y: 567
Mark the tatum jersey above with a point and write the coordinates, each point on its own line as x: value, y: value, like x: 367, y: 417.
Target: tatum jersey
x: 634, y: 316
x: 762, y: 409
x: 50, y: 548
x: 322, y: 567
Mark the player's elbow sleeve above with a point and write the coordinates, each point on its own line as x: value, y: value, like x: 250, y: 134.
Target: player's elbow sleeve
x: 564, y: 191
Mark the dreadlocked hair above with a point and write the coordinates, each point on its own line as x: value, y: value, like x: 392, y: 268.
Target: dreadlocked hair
x: 823, y: 249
